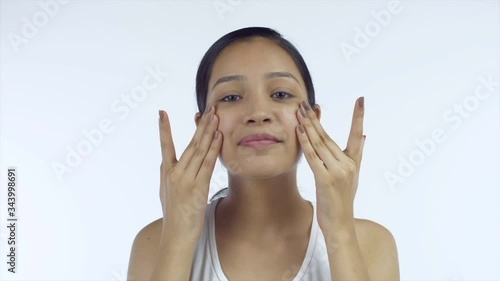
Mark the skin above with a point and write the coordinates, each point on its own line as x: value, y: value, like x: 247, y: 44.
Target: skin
x: 263, y: 212
x: 264, y: 197
x: 264, y: 215
x: 264, y: 207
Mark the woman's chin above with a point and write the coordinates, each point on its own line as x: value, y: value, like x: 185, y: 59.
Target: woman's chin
x: 259, y: 167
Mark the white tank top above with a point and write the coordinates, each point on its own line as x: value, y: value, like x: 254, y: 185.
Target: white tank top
x: 206, y: 265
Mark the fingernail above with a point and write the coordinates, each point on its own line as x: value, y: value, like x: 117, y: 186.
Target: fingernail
x: 362, y: 102
x: 306, y: 105
x: 216, y: 135
x: 301, y: 129
x: 302, y: 112
x: 211, y: 117
x: 207, y: 108
x: 159, y: 118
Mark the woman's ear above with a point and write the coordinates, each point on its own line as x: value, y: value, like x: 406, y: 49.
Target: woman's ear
x: 317, y: 110
x: 197, y: 118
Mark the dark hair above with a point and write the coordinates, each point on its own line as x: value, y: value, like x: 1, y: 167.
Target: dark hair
x: 206, y: 64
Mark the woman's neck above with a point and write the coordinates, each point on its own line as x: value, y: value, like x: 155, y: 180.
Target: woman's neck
x: 264, y: 209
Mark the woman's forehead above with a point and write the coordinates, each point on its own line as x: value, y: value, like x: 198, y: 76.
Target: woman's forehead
x: 257, y: 58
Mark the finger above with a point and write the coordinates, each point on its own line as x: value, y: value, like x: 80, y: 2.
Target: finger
x: 362, y: 147
x: 162, y: 172
x: 325, y: 147
x: 358, y: 164
x: 192, y: 157
x: 200, y: 152
x: 354, y: 143
x: 319, y: 148
x: 166, y: 142
x: 208, y: 164
x: 193, y: 144
x: 309, y: 152
x: 361, y: 152
x: 162, y: 181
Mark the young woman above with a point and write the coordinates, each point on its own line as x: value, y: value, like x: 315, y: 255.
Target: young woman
x: 258, y: 116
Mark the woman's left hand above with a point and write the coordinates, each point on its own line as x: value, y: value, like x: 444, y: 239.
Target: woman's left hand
x: 336, y: 172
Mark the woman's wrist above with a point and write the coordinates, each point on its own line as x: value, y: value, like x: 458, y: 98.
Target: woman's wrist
x: 340, y: 233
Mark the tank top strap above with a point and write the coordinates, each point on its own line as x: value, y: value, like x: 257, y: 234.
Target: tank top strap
x: 212, y: 246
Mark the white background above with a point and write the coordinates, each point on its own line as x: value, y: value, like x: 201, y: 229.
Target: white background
x: 64, y: 77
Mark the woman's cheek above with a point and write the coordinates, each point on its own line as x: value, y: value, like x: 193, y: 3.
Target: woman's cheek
x: 292, y: 117
x: 224, y: 127
x: 224, y: 124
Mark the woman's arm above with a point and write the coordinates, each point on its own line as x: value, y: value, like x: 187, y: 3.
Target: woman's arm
x: 336, y: 173
x: 345, y: 257
x: 169, y: 256
x: 154, y: 259
x: 379, y: 250
x: 174, y: 260
x: 143, y: 253
x: 366, y: 251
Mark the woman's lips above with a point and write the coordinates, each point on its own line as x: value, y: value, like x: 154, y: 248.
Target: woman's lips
x: 259, y: 143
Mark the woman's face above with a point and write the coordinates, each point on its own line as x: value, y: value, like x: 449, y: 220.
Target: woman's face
x: 256, y: 102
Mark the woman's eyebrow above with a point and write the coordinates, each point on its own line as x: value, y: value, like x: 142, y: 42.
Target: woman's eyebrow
x: 269, y: 75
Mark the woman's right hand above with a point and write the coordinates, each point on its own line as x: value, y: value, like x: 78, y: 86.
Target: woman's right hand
x: 184, y: 183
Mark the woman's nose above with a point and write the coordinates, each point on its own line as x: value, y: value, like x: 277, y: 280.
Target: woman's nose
x: 258, y: 118
x: 259, y: 111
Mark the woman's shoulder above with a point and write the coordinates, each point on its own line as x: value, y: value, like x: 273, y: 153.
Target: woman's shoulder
x: 149, y: 236
x: 152, y: 228
x: 376, y: 243
x: 144, y: 251
x: 365, y: 225
x: 369, y: 232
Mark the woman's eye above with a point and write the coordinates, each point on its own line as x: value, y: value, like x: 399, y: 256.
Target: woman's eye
x: 281, y: 95
x: 229, y: 100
